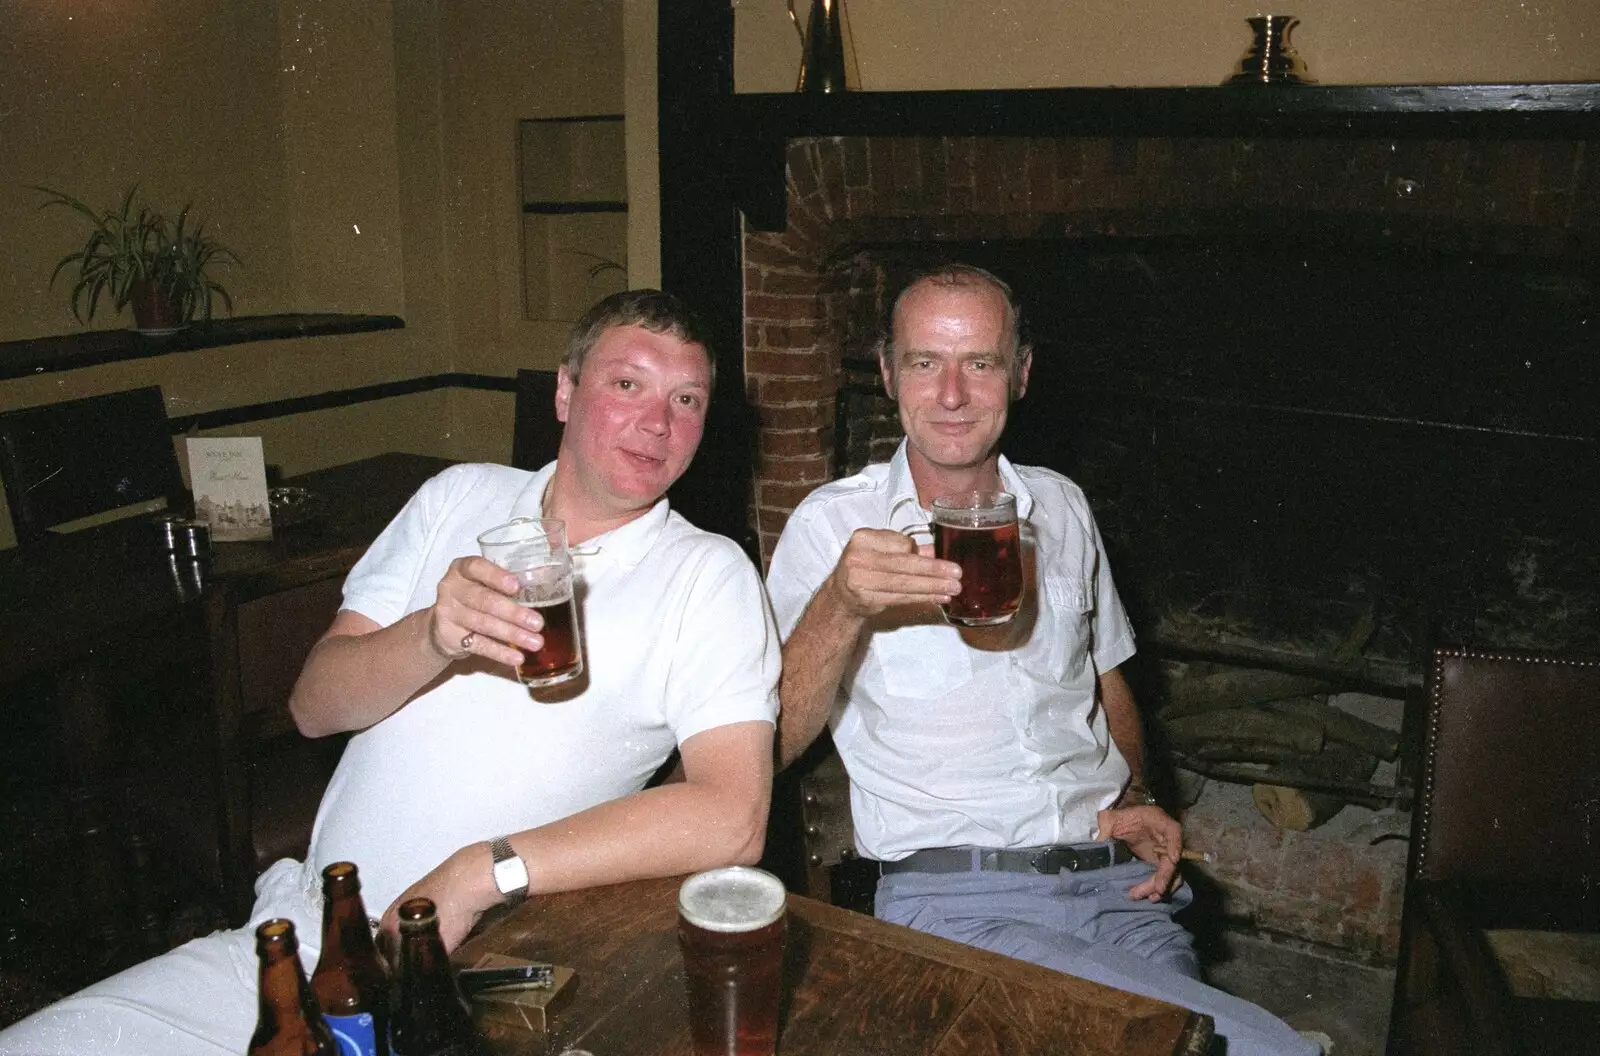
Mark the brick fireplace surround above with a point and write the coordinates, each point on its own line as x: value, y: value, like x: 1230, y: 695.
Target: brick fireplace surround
x: 1331, y: 886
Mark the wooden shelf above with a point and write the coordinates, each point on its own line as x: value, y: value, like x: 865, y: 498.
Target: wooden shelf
x: 43, y: 355
x: 759, y: 125
x: 1508, y: 109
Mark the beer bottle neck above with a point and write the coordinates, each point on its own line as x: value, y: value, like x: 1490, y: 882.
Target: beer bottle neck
x: 286, y: 1009
x: 346, y: 936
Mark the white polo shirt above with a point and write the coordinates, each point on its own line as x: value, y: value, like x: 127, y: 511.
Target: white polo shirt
x: 678, y: 639
x: 949, y: 745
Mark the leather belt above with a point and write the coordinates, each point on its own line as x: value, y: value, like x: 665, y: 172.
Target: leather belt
x: 1073, y: 858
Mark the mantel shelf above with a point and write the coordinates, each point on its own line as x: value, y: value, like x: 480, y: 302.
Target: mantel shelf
x: 759, y: 125
x: 1509, y: 109
x: 43, y: 355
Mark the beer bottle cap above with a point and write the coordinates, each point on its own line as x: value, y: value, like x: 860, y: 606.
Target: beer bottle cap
x: 734, y: 899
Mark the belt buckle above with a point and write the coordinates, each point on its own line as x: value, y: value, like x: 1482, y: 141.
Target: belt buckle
x: 1052, y: 860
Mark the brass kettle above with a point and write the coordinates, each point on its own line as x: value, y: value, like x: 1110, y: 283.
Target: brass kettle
x: 821, y: 47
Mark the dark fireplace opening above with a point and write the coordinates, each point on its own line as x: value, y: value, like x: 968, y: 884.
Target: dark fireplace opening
x: 1338, y: 453
x: 1332, y: 401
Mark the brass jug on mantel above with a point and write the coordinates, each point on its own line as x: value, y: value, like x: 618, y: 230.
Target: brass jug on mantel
x: 821, y: 47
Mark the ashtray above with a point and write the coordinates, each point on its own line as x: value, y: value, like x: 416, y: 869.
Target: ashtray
x: 292, y: 506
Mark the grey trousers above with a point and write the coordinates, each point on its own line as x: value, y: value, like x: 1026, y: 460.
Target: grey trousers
x: 1084, y: 924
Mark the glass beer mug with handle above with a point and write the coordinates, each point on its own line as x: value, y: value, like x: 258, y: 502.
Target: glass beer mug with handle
x: 978, y: 530
x: 535, y: 549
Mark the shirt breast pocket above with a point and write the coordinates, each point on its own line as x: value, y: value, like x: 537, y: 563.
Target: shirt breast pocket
x: 925, y: 661
x: 1070, y: 607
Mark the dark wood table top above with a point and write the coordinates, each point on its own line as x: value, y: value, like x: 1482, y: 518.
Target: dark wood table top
x: 853, y: 986
x: 62, y: 599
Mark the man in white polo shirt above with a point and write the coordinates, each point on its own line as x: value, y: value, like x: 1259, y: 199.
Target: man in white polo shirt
x: 460, y: 785
x: 994, y: 771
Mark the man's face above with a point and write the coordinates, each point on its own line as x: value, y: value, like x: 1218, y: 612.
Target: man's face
x: 952, y: 373
x: 634, y: 418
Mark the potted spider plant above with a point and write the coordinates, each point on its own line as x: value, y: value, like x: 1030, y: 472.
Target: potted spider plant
x: 135, y: 256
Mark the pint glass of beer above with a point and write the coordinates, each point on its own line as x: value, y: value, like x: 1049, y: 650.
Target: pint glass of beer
x: 978, y: 531
x: 730, y: 927
x: 535, y: 548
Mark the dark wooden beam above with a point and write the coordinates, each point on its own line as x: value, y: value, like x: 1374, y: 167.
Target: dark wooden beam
x: 700, y: 258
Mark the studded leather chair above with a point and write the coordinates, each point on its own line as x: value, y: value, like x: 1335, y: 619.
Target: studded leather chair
x: 1505, y: 857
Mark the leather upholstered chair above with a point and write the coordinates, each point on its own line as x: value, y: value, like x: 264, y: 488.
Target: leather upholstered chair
x: 1503, y: 886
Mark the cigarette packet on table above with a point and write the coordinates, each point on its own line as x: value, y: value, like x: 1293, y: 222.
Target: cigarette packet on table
x: 519, y: 1013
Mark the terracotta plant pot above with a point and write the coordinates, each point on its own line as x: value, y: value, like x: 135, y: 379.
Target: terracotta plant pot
x: 154, y: 309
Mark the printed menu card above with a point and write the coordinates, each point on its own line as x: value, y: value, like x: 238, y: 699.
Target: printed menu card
x: 228, y: 475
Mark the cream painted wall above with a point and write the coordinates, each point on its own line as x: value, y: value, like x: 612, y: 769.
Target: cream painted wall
x: 644, y: 169
x: 336, y: 76
x: 360, y: 157
x: 499, y: 67
x: 181, y: 99
x: 936, y: 44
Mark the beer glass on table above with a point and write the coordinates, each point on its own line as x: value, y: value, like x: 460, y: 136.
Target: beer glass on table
x: 535, y: 548
x: 731, y: 930
x: 978, y: 530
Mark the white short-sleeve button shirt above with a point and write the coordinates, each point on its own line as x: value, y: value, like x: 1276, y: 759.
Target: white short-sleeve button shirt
x: 950, y: 745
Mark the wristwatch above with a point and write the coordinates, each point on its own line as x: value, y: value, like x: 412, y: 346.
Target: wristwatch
x: 1136, y: 795
x: 510, y: 871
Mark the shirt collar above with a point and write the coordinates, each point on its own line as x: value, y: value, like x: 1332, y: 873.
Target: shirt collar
x: 904, y: 508
x: 625, y: 544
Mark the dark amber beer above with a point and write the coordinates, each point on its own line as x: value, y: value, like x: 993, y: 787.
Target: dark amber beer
x: 350, y: 984
x: 978, y: 530
x: 991, y: 571
x: 288, y: 1022
x: 560, y: 659
x: 731, y: 929
x: 535, y: 549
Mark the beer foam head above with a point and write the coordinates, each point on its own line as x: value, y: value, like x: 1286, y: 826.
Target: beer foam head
x: 737, y: 898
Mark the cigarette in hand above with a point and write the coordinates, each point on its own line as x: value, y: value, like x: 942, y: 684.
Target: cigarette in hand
x: 1191, y: 855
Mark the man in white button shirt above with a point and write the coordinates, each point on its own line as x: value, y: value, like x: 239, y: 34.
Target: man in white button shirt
x: 460, y: 785
x: 995, y: 772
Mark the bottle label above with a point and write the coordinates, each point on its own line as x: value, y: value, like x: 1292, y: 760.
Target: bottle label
x: 354, y: 1035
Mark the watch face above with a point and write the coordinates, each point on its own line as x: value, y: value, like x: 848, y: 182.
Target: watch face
x: 510, y: 876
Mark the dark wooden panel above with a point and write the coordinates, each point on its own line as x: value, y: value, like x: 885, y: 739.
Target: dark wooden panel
x: 275, y: 634
x: 536, y: 433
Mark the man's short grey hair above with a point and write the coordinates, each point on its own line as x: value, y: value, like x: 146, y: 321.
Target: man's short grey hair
x: 657, y: 312
x: 953, y: 276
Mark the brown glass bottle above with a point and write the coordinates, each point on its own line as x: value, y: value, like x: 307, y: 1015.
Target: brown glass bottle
x: 289, y: 1023
x: 349, y: 983
x: 430, y: 1016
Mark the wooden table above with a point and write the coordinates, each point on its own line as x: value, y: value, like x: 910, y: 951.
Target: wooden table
x: 854, y: 986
